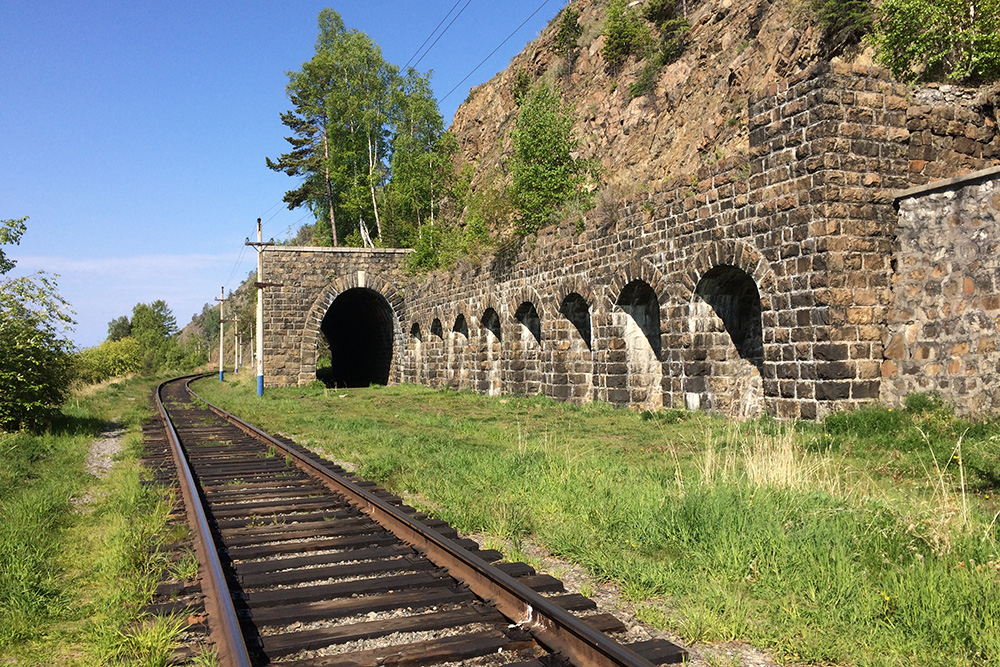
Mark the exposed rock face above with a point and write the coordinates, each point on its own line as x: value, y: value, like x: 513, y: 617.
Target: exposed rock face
x: 696, y: 114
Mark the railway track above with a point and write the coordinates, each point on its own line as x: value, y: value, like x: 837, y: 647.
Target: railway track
x: 303, y: 565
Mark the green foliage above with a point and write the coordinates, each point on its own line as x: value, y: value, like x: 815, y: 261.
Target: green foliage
x: 939, y: 40
x: 673, y: 40
x: 846, y: 22
x: 119, y: 328
x: 568, y: 35
x: 34, y: 357
x: 624, y: 34
x: 150, y: 346
x: 112, y: 358
x: 658, y: 11
x: 545, y: 175
x: 34, y: 374
x: 364, y: 137
x: 522, y: 86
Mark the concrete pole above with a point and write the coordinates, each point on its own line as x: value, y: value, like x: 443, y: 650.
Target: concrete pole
x: 222, y: 294
x: 236, y: 345
x: 260, y: 311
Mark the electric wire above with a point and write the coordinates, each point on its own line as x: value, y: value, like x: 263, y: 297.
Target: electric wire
x: 442, y: 33
x: 474, y: 69
x: 432, y: 33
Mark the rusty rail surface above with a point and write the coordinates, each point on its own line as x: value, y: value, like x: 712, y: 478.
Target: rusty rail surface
x: 224, y: 623
x: 552, y: 626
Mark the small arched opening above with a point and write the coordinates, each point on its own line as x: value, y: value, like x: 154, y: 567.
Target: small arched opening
x: 637, y: 315
x: 358, y: 328
x: 526, y: 370
x: 458, y: 344
x: 435, y: 353
x: 726, y: 359
x: 572, y: 364
x: 491, y: 382
x: 416, y: 353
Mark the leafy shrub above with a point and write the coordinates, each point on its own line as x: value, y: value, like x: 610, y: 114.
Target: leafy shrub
x: 34, y: 374
x: 924, y: 402
x: 569, y: 33
x: 522, y: 84
x: 673, y: 41
x: 544, y: 172
x: 928, y: 40
x: 624, y: 34
x: 112, y: 358
x: 846, y: 22
x: 658, y: 11
x: 34, y: 359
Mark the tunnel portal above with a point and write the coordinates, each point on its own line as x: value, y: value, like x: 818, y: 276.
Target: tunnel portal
x: 358, y: 327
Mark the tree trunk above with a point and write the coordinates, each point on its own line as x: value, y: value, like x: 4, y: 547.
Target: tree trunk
x: 329, y: 189
x: 371, y: 184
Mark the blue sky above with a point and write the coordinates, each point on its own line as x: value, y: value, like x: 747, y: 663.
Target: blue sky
x: 133, y: 135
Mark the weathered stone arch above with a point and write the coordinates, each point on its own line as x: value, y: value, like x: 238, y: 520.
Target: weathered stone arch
x: 729, y: 287
x: 637, y: 299
x: 573, y: 341
x: 642, y: 269
x: 435, y: 346
x: 415, y: 347
x: 458, y: 344
x: 312, y: 330
x: 736, y: 253
x: 527, y: 336
x: 486, y: 342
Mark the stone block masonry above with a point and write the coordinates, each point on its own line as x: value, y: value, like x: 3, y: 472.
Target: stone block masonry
x: 945, y: 315
x: 761, y: 284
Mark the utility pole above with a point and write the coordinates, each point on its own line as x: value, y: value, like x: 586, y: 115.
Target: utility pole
x: 236, y: 345
x: 222, y: 301
x: 260, y: 284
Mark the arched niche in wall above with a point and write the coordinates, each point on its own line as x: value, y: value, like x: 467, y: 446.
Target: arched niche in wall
x: 727, y: 351
x: 572, y: 361
x: 458, y: 344
x: 526, y: 364
x: 492, y: 347
x: 637, y: 315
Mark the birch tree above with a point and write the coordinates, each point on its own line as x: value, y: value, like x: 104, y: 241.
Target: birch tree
x: 349, y: 106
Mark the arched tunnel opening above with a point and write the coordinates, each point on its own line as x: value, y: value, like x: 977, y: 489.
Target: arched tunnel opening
x: 358, y: 327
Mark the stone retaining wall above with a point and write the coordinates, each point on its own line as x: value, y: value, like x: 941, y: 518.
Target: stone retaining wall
x: 759, y: 284
x: 945, y: 315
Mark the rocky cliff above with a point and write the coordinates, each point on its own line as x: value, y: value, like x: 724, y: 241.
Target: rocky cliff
x: 696, y: 114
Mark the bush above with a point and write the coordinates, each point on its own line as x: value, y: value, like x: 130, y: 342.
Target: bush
x: 110, y: 359
x: 569, y: 33
x: 34, y: 374
x: 845, y: 22
x: 624, y: 34
x: 931, y: 40
x: 673, y: 41
x: 544, y: 172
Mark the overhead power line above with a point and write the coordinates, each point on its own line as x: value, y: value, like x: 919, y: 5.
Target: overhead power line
x: 432, y: 33
x: 483, y: 62
x: 442, y: 33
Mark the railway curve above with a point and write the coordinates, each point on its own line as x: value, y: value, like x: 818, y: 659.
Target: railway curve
x: 302, y: 564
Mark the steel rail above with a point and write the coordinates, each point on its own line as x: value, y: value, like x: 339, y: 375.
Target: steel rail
x: 226, y: 633
x: 552, y: 626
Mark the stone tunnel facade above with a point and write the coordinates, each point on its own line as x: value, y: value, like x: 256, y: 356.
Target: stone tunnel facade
x: 763, y: 284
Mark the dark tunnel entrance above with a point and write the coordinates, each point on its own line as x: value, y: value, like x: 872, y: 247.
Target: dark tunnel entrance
x: 358, y: 327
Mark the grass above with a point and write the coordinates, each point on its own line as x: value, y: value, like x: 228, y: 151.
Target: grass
x: 73, y: 577
x: 868, y: 539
